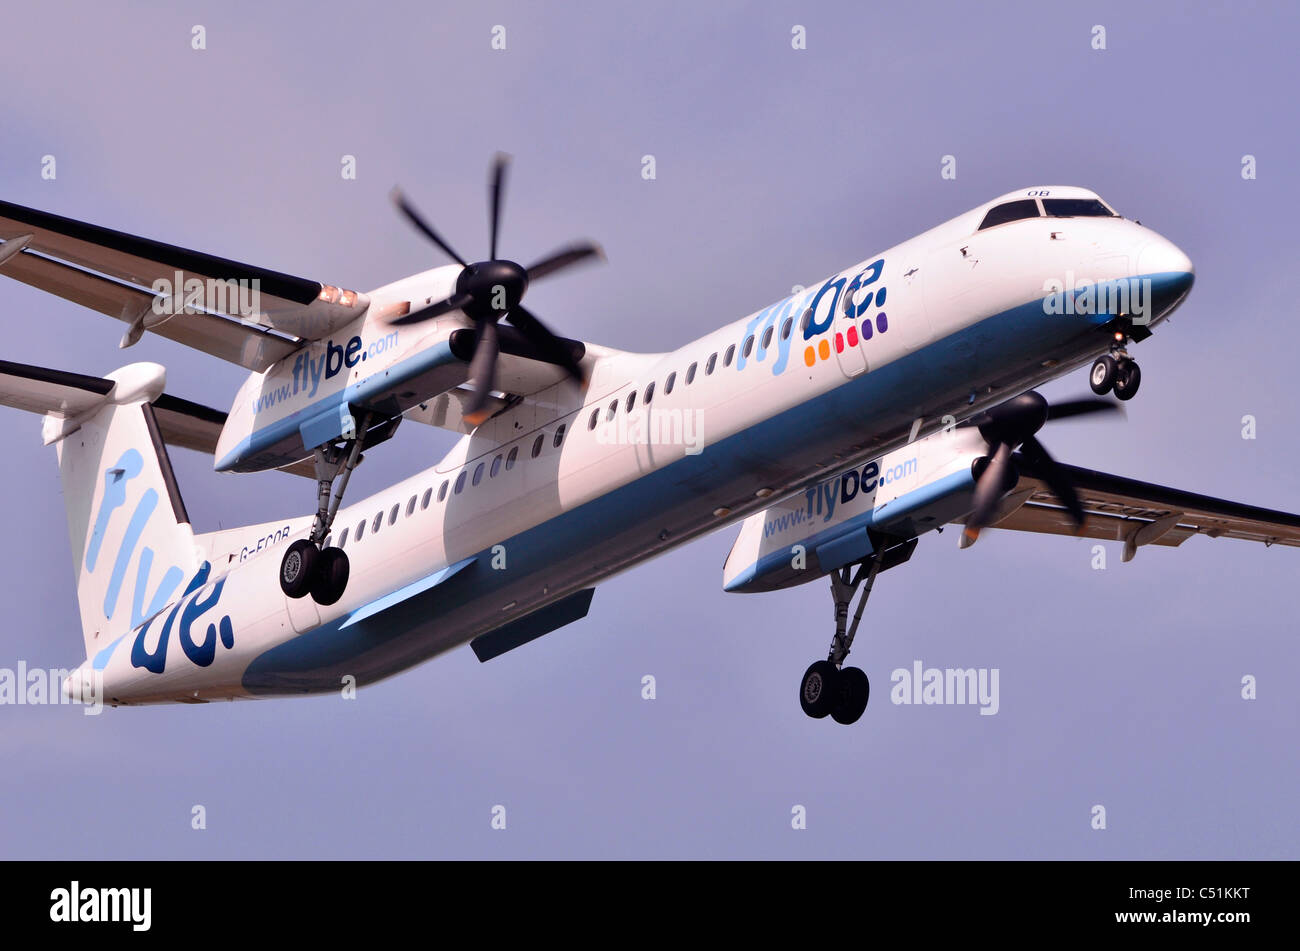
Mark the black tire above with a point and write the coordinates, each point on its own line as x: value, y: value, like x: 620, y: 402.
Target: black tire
x: 331, y: 576
x: 297, y: 568
x: 1128, y: 380
x: 818, y: 689
x: 852, y: 696
x: 1103, y: 374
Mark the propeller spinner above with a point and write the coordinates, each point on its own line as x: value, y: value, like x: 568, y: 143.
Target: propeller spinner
x: 487, y: 291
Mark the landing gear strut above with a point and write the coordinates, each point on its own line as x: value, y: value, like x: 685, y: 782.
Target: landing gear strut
x: 306, y: 568
x: 829, y: 688
x: 1116, y: 371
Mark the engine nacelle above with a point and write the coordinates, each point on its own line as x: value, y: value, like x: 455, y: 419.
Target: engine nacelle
x: 888, y: 501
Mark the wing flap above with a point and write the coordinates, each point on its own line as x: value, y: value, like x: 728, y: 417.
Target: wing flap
x: 291, y: 305
x: 249, y: 346
x: 1143, y: 513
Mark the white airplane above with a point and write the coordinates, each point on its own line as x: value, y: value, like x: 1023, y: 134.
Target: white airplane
x: 841, y: 424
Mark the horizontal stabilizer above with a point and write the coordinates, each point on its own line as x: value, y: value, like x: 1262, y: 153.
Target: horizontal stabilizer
x: 64, y: 398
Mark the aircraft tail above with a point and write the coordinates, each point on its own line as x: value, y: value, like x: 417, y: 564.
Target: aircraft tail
x: 132, y: 545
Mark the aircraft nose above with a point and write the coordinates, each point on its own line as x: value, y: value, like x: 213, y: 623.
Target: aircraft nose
x: 1170, y: 272
x: 1163, y: 257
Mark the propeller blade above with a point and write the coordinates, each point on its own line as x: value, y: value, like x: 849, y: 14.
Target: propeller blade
x: 988, y: 491
x: 499, y: 165
x: 482, y: 370
x: 1082, y: 407
x: 544, y: 340
x: 414, y: 217
x: 564, y: 258
x: 454, y: 302
x: 1052, y: 473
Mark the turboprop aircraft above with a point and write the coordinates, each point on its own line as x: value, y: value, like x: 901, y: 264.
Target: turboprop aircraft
x: 840, y: 424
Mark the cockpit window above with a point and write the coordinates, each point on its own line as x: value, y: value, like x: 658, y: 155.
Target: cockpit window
x: 1011, y: 211
x: 1076, y: 208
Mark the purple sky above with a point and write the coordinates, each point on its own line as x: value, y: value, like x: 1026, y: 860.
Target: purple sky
x: 775, y: 167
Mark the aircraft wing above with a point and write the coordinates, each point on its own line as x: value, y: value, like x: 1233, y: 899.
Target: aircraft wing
x: 1140, y: 513
x: 121, y: 275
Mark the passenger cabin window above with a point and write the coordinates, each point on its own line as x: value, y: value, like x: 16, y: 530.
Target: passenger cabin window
x: 559, y: 436
x: 343, y: 539
x: 631, y: 400
x: 361, y: 530
x: 460, y: 480
x: 1076, y: 208
x: 392, y: 516
x: 410, y: 507
x: 496, y: 467
x: 478, y: 473
x: 442, y: 490
x: 690, y: 373
x: 613, y: 408
x: 786, y: 328
x: 767, y: 337
x: 378, y: 523
x: 1010, y: 211
x: 668, y: 383
x: 713, y: 361
x: 511, y: 457
x: 649, y: 393
x: 537, y: 444
x: 595, y: 417
x: 428, y: 495
x: 731, y: 352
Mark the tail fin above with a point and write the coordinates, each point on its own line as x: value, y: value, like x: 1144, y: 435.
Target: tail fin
x: 132, y: 545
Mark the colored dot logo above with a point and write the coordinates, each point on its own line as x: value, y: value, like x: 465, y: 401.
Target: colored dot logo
x: 823, y: 349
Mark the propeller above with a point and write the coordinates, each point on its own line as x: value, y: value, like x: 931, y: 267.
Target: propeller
x: 487, y: 291
x: 1015, y: 424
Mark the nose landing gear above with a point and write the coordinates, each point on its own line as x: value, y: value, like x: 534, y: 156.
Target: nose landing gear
x: 1116, y: 372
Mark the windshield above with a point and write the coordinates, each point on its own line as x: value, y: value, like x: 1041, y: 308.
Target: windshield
x: 1076, y: 208
x: 1011, y: 211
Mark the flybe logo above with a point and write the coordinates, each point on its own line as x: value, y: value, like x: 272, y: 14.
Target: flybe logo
x: 309, y: 371
x: 116, y: 479
x: 196, y: 600
x: 844, y: 488
x: 852, y: 307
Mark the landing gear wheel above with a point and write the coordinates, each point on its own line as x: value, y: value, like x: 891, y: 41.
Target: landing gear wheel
x: 330, y: 576
x: 298, y: 568
x: 1127, y: 380
x: 1103, y: 375
x: 818, y: 691
x: 852, y: 692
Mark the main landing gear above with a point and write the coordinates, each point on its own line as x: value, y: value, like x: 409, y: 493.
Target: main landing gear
x: 828, y: 687
x: 1117, y: 372
x: 306, y: 568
